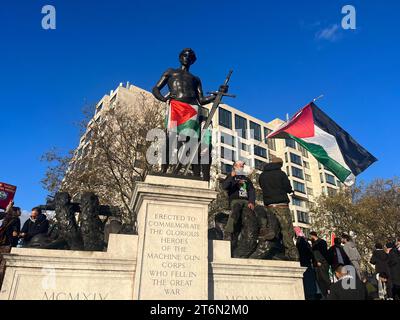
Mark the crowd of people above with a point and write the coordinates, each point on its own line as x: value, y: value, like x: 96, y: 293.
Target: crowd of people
x: 11, y: 233
x: 329, y: 269
x: 267, y: 232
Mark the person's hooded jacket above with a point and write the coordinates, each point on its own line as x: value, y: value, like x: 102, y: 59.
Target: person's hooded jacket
x: 380, y: 259
x: 275, y: 184
x: 333, y: 256
x: 351, y: 251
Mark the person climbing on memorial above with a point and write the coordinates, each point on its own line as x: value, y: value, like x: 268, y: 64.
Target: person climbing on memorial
x: 36, y: 224
x: 242, y: 197
x: 275, y: 187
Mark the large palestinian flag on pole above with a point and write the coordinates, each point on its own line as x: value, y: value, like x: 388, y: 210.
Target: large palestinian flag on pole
x: 327, y: 142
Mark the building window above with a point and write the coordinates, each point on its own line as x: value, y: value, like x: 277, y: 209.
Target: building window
x: 293, y: 218
x: 330, y: 179
x: 226, y: 168
x: 259, y: 165
x: 331, y: 192
x: 99, y: 107
x: 227, y: 139
x: 85, y: 151
x: 270, y: 142
x: 294, y: 158
x: 244, y: 146
x: 113, y: 99
x: 261, y: 152
x: 304, y: 152
x: 310, y: 192
x: 290, y: 143
x: 300, y: 187
x: 298, y: 173
x: 225, y: 118
x: 240, y: 126
x: 302, y: 217
x: 308, y: 177
x: 306, y: 164
x: 228, y: 154
x: 298, y: 202
x: 255, y: 131
x: 89, y: 135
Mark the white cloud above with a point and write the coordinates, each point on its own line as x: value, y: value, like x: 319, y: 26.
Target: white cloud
x: 331, y: 33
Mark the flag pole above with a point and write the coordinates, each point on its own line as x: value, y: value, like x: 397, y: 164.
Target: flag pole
x: 288, y: 119
x: 317, y: 98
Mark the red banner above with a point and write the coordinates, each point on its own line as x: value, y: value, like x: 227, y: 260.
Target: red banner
x: 7, y: 193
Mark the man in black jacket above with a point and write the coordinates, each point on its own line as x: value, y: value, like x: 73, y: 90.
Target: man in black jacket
x: 394, y: 266
x: 36, y: 224
x: 320, y: 261
x: 275, y: 187
x: 347, y: 287
x: 337, y: 255
x: 380, y: 259
x: 242, y: 197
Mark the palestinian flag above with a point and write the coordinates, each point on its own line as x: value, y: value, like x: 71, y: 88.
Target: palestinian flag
x: 183, y: 118
x: 327, y: 142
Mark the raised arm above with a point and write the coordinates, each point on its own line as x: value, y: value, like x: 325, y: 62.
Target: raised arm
x: 161, y: 84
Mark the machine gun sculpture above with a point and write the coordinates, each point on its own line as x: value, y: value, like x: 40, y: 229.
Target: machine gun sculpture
x: 67, y: 232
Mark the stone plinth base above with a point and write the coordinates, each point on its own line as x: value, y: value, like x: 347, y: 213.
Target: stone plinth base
x: 172, y: 219
x: 170, y: 258
x: 38, y: 274
x: 250, y: 279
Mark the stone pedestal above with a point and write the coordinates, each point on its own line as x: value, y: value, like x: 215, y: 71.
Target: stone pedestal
x: 170, y: 258
x: 251, y: 279
x: 38, y: 274
x: 172, y: 216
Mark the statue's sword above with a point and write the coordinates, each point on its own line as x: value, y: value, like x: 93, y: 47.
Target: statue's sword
x: 219, y: 94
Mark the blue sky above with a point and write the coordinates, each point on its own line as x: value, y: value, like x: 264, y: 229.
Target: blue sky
x: 284, y: 53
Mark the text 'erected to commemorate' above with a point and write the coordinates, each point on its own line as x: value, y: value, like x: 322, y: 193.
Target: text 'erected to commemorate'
x: 173, y: 252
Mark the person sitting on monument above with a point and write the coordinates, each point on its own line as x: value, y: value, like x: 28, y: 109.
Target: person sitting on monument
x: 35, y: 225
x: 220, y: 221
x: 275, y: 187
x: 242, y: 197
x: 11, y: 225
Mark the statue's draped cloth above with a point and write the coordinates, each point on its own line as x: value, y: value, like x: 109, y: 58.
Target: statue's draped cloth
x: 183, y: 118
